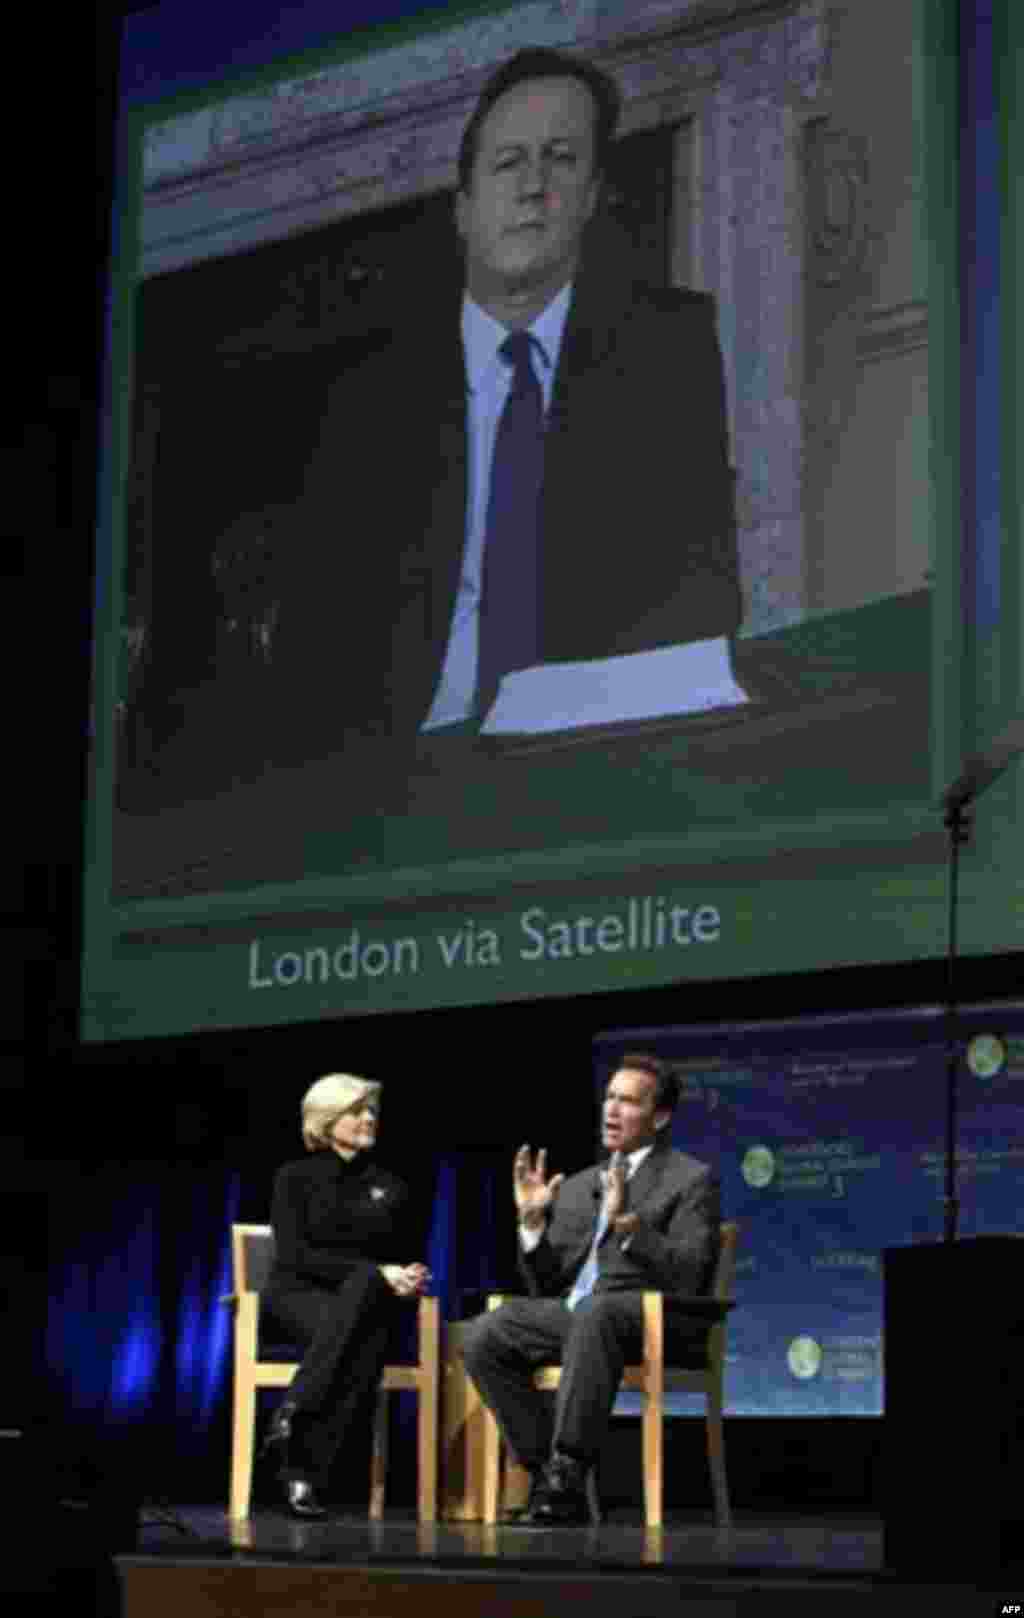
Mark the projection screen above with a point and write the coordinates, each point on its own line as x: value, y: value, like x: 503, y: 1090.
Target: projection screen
x: 278, y: 829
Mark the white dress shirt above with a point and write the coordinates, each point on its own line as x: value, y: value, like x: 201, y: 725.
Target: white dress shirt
x: 530, y: 1238
x: 488, y: 380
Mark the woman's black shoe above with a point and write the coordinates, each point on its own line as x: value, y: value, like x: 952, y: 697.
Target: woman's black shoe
x: 302, y: 1502
x: 279, y: 1431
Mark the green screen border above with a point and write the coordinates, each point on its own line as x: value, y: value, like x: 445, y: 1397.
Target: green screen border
x: 1008, y: 56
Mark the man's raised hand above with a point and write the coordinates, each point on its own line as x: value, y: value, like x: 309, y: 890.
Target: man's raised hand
x: 532, y: 1190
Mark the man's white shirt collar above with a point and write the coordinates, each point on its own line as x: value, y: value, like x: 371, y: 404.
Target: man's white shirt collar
x: 634, y: 1160
x: 482, y: 336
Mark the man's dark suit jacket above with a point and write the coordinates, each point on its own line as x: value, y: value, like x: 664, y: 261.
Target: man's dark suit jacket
x: 673, y: 1250
x: 638, y: 534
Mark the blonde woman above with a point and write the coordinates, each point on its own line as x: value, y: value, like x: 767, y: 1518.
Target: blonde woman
x: 339, y: 1224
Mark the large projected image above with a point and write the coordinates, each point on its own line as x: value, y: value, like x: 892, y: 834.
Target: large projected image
x: 438, y: 674
x: 829, y: 1136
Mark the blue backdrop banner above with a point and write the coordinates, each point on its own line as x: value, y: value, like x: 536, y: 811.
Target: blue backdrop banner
x: 829, y: 1134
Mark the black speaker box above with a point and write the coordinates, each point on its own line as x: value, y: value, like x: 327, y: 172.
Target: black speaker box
x: 953, y: 1437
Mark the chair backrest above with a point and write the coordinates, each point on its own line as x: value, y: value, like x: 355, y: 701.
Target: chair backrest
x: 721, y: 1287
x: 252, y: 1256
x: 725, y: 1269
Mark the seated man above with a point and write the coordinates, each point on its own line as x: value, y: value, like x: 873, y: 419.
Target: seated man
x: 589, y: 1247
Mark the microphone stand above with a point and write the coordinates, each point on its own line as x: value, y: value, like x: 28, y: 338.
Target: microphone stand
x: 957, y: 821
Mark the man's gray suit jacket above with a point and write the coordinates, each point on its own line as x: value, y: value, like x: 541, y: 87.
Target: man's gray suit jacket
x: 673, y: 1250
x: 638, y: 540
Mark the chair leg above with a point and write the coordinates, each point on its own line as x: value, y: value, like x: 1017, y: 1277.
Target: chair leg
x: 652, y: 1455
x: 653, y: 1411
x: 428, y: 1395
x: 379, y: 1458
x: 517, y: 1484
x: 426, y: 1458
x: 491, y: 1462
x: 243, y: 1438
x: 716, y: 1461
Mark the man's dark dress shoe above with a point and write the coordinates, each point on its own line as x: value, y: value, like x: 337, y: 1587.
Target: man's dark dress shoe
x: 561, y: 1498
x: 302, y: 1502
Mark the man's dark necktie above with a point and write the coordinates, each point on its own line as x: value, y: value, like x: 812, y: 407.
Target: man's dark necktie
x: 509, y: 603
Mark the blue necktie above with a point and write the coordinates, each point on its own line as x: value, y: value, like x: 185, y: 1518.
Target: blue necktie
x: 584, y: 1283
x: 509, y: 604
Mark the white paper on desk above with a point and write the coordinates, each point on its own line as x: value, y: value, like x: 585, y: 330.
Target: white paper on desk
x: 612, y: 690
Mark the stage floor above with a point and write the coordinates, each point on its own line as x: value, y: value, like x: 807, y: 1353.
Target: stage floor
x: 846, y: 1547
x: 201, y: 1563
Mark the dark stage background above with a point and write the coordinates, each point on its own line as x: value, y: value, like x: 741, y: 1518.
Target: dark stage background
x: 122, y: 1166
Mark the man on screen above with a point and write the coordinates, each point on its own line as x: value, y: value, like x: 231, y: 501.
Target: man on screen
x: 530, y: 468
x: 589, y: 1247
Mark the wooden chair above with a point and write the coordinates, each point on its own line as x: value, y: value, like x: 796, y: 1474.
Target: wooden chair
x: 652, y: 1378
x: 252, y: 1254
